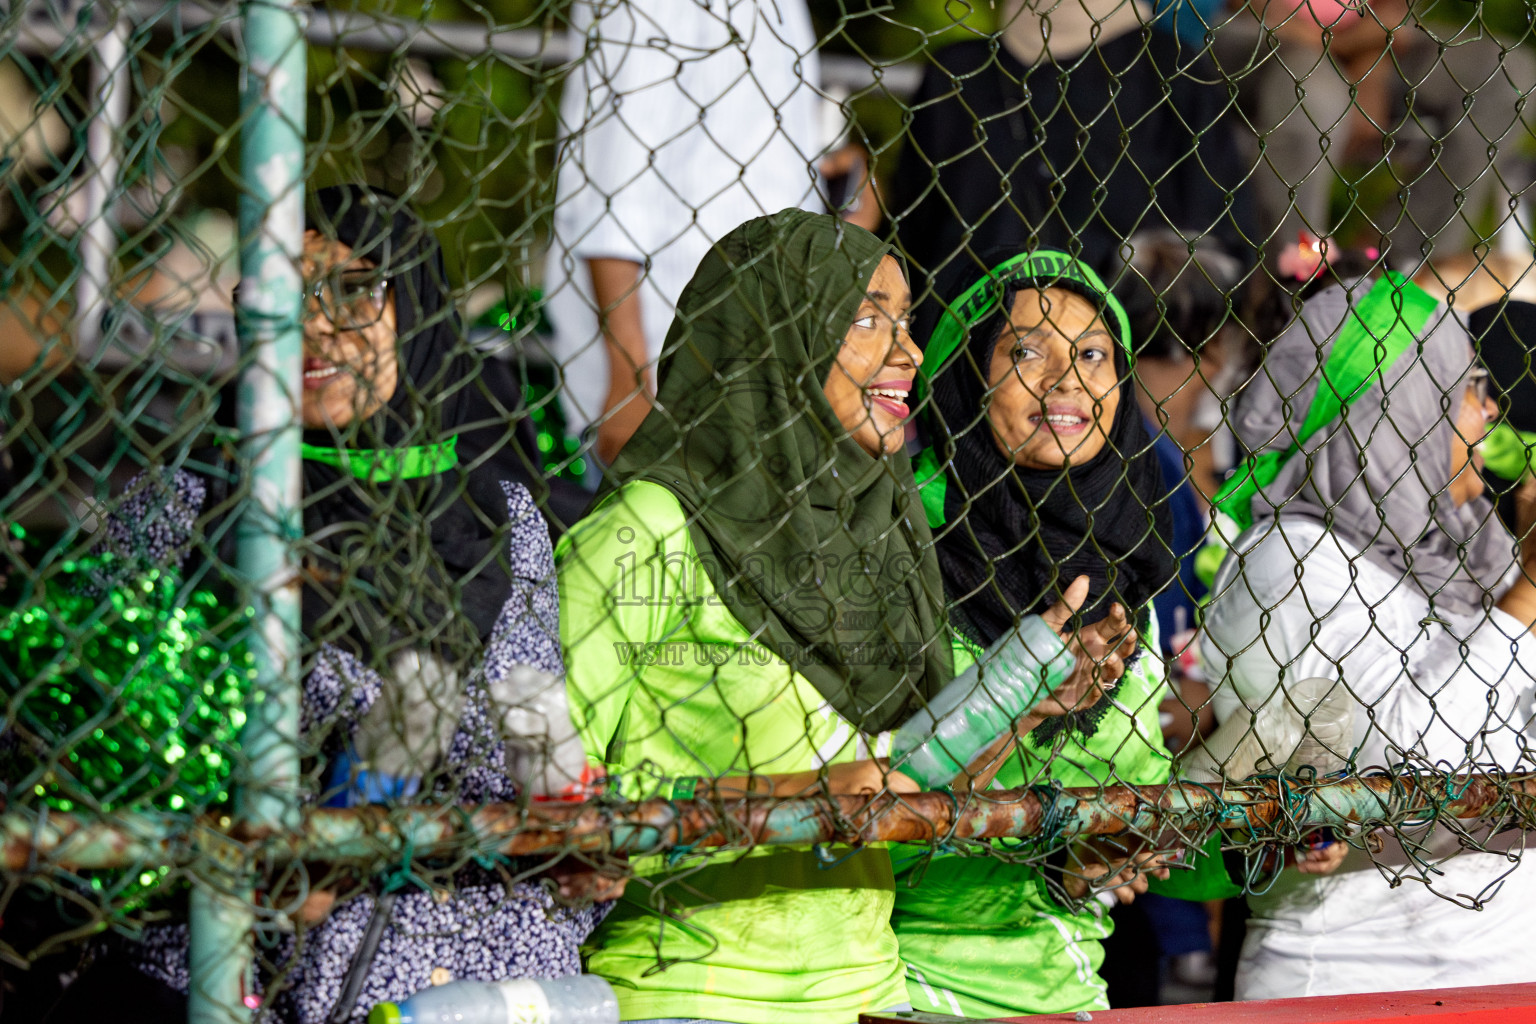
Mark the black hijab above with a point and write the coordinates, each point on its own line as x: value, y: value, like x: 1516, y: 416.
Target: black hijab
x: 388, y: 555
x: 1015, y: 536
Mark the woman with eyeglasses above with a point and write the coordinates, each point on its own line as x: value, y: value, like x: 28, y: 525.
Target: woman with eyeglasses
x: 415, y: 623
x: 1369, y: 556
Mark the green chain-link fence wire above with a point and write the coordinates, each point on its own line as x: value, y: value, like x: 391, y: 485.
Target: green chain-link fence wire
x: 1219, y: 169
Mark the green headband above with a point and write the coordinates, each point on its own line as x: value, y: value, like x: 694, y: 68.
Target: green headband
x: 1382, y: 326
x: 1046, y: 268
x: 374, y: 465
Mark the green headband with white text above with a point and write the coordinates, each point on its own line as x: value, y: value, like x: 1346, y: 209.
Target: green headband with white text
x: 1044, y: 268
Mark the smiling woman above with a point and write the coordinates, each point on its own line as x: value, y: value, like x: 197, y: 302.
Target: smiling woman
x: 415, y: 614
x: 1043, y: 454
x: 351, y: 367
x: 762, y: 525
x: 388, y: 386
x: 777, y: 435
x: 1042, y: 473
x: 873, y: 375
x: 1054, y: 382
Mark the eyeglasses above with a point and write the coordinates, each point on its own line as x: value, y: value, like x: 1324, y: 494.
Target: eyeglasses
x: 1479, y: 384
x: 350, y: 299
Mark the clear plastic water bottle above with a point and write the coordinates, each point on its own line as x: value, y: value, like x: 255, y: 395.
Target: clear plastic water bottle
x: 1017, y: 672
x: 580, y: 999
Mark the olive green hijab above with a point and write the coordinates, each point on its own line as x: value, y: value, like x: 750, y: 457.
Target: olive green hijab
x: 818, y: 548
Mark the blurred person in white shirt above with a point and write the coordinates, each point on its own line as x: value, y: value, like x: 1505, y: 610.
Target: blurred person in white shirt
x: 680, y: 121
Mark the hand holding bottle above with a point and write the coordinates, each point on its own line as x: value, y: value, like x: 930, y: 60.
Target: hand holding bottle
x: 959, y: 736
x: 1100, y: 650
x: 1038, y: 669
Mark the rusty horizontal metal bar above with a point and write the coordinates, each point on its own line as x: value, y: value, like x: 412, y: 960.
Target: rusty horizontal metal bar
x: 377, y: 835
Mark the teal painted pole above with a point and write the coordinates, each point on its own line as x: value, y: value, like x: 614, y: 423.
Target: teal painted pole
x: 222, y: 953
x: 272, y: 107
x: 271, y: 308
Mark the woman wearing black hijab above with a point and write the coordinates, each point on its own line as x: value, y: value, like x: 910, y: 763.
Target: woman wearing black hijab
x: 1041, y: 504
x: 413, y: 613
x: 1042, y: 472
x: 388, y: 385
x: 409, y: 587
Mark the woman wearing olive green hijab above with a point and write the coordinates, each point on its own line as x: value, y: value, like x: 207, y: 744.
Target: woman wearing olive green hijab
x: 762, y: 545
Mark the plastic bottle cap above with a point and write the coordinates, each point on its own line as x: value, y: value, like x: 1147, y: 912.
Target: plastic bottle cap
x: 384, y: 1013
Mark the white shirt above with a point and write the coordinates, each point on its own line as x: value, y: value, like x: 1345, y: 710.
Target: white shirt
x: 1457, y: 693
x: 683, y: 119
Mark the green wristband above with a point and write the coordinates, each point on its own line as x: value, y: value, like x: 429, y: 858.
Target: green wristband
x: 684, y: 788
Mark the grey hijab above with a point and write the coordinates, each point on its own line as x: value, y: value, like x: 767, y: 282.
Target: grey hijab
x: 1376, y: 472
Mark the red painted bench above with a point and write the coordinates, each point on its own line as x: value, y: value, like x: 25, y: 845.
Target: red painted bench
x: 1489, y: 1004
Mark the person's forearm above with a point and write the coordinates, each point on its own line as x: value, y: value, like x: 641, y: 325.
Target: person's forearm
x: 846, y: 778
x: 1289, y: 23
x: 32, y: 333
x: 1364, y: 40
x: 783, y: 785
x: 870, y: 776
x: 38, y: 331
x: 616, y: 289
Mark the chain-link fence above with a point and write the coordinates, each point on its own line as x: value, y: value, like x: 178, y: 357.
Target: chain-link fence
x: 786, y: 507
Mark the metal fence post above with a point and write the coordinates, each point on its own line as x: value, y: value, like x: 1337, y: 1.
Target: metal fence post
x: 271, y: 238
x: 103, y: 141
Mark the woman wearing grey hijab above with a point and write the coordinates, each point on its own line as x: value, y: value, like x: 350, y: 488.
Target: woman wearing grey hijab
x: 1370, y: 571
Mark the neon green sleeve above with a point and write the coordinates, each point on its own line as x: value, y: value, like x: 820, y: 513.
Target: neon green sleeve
x: 1206, y: 877
x: 1144, y: 759
x: 618, y: 569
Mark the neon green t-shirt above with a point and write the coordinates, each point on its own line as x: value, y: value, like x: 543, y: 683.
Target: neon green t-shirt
x: 985, y: 938
x: 664, y: 682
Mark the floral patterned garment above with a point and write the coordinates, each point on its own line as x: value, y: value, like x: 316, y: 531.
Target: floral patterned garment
x: 481, y: 928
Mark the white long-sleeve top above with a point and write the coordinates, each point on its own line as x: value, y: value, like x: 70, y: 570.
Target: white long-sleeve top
x: 1292, y: 602
x: 682, y: 120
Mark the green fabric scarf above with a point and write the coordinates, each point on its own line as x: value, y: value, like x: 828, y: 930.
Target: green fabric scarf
x: 1380, y: 328
x: 821, y: 550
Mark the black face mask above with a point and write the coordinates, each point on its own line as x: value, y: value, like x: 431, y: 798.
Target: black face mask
x: 1506, y: 345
